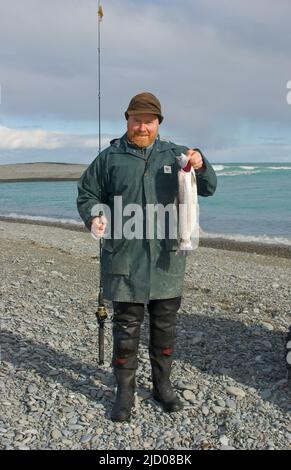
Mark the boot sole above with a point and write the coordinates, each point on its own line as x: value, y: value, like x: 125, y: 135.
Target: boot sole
x: 119, y: 420
x: 167, y: 407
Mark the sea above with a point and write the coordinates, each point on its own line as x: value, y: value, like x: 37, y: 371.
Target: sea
x: 252, y: 203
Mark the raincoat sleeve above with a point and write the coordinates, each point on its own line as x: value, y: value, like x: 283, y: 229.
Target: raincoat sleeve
x: 91, y: 190
x: 206, y: 180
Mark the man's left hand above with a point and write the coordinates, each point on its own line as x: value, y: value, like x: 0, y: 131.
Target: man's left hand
x: 196, y: 160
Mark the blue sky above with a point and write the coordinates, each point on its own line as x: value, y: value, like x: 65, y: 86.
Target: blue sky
x: 220, y: 69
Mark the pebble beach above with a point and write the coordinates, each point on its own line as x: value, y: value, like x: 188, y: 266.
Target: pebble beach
x: 229, y: 365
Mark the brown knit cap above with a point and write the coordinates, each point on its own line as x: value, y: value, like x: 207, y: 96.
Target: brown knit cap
x: 144, y: 103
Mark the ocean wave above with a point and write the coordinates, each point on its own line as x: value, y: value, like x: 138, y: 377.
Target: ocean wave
x: 262, y: 239
x: 265, y: 239
x: 218, y: 167
x: 239, y: 173
x: 240, y: 170
x: 279, y: 167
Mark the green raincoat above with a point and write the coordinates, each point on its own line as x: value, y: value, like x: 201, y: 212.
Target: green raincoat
x: 138, y: 269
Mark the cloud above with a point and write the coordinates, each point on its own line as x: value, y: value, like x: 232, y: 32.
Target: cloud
x: 216, y: 65
x: 14, y: 139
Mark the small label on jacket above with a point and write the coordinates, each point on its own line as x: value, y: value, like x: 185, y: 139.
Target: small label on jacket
x: 167, y: 169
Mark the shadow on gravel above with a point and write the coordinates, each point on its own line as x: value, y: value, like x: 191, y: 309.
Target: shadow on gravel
x: 25, y: 354
x: 251, y: 355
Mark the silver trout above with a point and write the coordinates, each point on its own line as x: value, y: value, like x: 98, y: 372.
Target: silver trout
x: 188, y: 205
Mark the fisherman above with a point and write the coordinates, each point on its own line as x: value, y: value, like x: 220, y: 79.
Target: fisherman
x: 139, y: 272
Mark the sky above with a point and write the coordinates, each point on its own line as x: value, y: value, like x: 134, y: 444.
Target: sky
x: 221, y: 69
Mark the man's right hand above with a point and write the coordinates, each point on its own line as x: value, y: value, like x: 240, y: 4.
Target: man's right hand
x: 98, y: 227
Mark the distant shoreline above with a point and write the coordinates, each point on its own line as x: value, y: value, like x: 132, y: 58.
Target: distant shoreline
x: 41, y: 172
x: 281, y: 251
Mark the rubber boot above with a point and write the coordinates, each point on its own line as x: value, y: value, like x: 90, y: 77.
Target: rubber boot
x: 124, y: 401
x: 126, y: 332
x: 162, y: 341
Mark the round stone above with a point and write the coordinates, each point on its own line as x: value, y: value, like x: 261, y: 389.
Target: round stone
x: 237, y: 392
x: 188, y: 395
x: 56, y: 434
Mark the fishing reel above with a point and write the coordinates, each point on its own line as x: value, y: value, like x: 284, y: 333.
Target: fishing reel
x: 101, y: 314
x: 102, y: 311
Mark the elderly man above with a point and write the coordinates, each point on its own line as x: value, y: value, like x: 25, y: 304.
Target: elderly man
x: 142, y: 169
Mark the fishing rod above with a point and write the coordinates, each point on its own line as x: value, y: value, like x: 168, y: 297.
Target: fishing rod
x: 102, y: 313
x: 100, y: 16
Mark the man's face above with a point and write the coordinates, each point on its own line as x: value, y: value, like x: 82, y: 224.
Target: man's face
x: 142, y: 129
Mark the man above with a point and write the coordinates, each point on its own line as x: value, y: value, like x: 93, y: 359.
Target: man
x: 142, y: 169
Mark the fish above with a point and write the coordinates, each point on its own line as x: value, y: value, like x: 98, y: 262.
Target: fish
x: 188, y: 208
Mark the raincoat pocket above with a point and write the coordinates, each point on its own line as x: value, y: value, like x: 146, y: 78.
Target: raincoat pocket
x: 115, y: 257
x: 174, y: 264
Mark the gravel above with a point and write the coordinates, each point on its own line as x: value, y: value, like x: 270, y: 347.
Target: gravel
x: 229, y: 367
